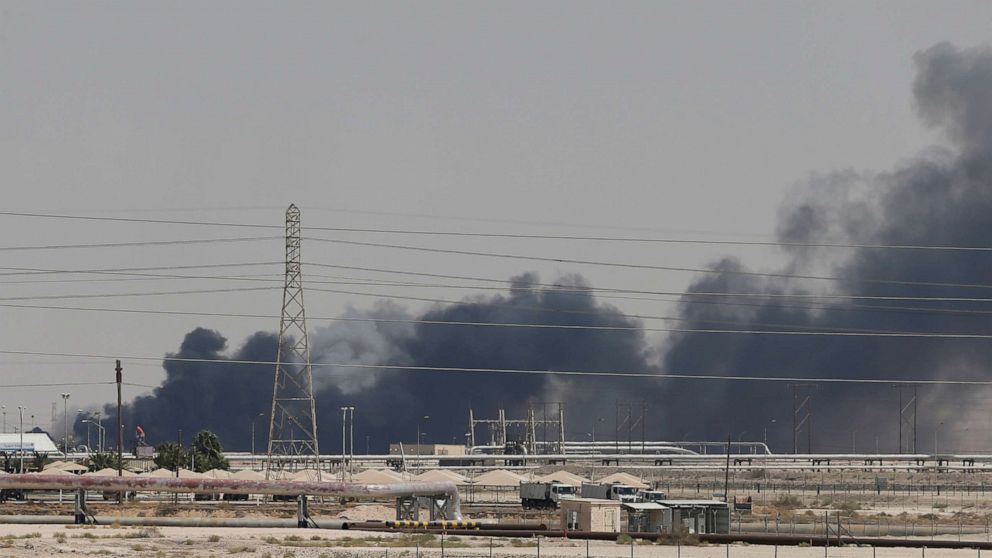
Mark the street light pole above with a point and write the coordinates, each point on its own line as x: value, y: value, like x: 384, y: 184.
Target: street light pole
x: 99, y: 432
x: 351, y: 439
x: 253, y: 439
x: 425, y: 417
x: 3, y: 408
x: 100, y: 436
x: 20, y: 412
x: 88, y: 423
x: 65, y: 411
x: 344, y: 438
x: 79, y: 414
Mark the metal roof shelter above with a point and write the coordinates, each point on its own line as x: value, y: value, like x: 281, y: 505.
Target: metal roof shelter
x: 644, y: 506
x: 699, y: 516
x: 39, y: 442
x: 648, y: 517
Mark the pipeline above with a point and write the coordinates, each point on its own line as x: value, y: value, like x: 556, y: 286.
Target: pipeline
x: 237, y: 486
x: 170, y: 521
x: 820, y: 540
x: 781, y: 540
x: 505, y: 530
x: 448, y: 525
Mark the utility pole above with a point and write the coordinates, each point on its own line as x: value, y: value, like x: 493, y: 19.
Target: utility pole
x: 914, y: 417
x: 726, y: 474
x: 899, y: 388
x: 120, y: 425
x: 179, y: 457
x: 65, y: 411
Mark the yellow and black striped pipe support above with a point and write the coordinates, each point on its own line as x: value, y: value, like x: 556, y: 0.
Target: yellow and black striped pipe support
x: 455, y: 524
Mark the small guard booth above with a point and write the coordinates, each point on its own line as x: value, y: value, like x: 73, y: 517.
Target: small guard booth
x: 590, y: 514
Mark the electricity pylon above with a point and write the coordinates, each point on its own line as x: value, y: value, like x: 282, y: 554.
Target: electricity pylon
x: 293, y: 422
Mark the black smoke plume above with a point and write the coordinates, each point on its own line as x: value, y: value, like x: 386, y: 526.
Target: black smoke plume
x: 226, y: 398
x: 942, y: 197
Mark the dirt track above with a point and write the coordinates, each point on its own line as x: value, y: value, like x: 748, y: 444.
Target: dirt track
x: 71, y: 541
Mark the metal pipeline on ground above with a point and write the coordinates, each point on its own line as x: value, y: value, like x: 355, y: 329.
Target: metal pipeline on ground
x: 781, y: 540
x: 170, y: 521
x: 237, y: 486
x: 448, y: 525
x: 504, y: 530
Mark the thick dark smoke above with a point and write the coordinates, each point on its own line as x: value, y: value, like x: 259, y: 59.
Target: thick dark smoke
x: 942, y: 197
x: 224, y: 398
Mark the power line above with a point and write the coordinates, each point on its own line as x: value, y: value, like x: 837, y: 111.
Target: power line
x: 548, y: 287
x: 586, y: 291
x: 11, y: 271
x: 848, y: 308
x: 573, y: 373
x: 136, y: 278
x: 559, y: 260
x: 570, y: 292
x: 138, y: 243
x: 420, y: 232
x: 69, y: 384
x: 338, y: 318
x: 822, y: 332
x: 158, y: 293
x: 556, y: 288
x: 695, y: 241
x: 640, y: 266
x: 56, y: 384
x: 370, y: 282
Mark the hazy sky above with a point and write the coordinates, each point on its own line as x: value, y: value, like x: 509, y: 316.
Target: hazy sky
x: 685, y: 119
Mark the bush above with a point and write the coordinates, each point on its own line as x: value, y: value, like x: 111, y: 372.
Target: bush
x: 624, y: 539
x: 787, y: 502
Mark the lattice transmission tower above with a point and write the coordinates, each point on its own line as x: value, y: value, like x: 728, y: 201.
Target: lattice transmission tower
x: 293, y: 422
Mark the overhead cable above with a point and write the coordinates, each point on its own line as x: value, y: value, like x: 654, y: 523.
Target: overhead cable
x: 138, y: 243
x: 421, y: 232
x: 524, y: 325
x: 617, y: 374
x: 641, y: 266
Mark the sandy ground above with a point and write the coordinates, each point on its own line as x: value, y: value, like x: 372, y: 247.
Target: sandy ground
x: 71, y: 541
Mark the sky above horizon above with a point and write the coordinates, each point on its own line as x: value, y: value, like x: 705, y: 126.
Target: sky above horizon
x: 687, y: 120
